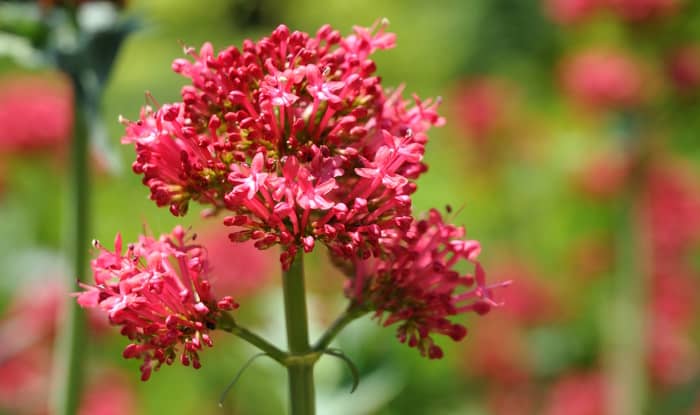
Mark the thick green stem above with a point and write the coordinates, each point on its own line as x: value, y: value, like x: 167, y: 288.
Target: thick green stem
x: 68, y: 367
x: 300, y: 371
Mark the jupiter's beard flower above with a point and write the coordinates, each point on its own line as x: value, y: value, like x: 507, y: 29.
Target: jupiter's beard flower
x: 298, y: 141
x: 294, y: 136
x: 414, y: 283
x: 158, y: 292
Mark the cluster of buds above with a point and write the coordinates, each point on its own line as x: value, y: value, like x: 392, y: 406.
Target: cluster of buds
x: 292, y: 135
x: 415, y: 283
x: 158, y: 293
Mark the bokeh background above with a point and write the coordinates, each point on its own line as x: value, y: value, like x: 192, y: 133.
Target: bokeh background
x: 571, y: 152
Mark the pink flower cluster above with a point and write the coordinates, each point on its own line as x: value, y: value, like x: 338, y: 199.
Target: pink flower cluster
x: 294, y: 136
x: 158, y: 292
x: 603, y: 79
x: 415, y: 283
x: 633, y: 11
x: 35, y: 113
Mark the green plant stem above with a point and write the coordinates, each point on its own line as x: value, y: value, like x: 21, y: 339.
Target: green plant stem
x: 626, y: 331
x: 68, y: 366
x: 352, y: 313
x: 228, y: 324
x: 300, y: 371
x: 627, y: 321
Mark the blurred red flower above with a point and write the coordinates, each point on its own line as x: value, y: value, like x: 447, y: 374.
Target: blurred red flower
x: 481, y: 106
x: 36, y: 113
x: 571, y: 11
x: 600, y: 79
x: 578, y: 394
x: 684, y: 68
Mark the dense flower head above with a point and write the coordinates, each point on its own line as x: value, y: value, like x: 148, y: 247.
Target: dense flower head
x: 294, y: 136
x: 603, y: 79
x: 415, y: 284
x: 158, y: 292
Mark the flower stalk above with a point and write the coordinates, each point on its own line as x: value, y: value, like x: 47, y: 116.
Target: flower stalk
x: 300, y: 371
x: 68, y: 369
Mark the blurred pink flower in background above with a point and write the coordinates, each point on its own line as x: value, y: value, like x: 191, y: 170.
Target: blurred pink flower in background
x: 236, y: 268
x: 643, y: 10
x: 600, y: 79
x: 684, y: 68
x: 36, y: 113
x: 26, y: 359
x: 578, y: 394
x: 603, y: 176
x: 499, y: 351
x: 110, y: 393
x: 481, y: 106
x: 571, y: 11
x: 671, y: 214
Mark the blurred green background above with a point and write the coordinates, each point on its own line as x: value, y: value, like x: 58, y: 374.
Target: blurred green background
x: 529, y: 162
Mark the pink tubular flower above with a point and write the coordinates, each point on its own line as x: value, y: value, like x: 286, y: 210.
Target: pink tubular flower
x: 35, y: 113
x: 158, y: 293
x: 600, y: 79
x: 294, y: 136
x: 415, y: 283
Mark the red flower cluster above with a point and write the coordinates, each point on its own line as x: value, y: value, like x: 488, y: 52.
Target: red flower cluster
x: 415, y: 283
x: 601, y: 79
x: 158, y: 293
x: 295, y: 136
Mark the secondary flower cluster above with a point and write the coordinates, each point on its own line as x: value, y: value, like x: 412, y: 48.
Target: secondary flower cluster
x: 415, y: 283
x: 158, y: 292
x: 294, y: 136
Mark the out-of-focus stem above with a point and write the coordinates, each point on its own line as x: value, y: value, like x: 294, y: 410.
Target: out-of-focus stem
x: 626, y: 325
x: 300, y: 371
x: 68, y: 358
